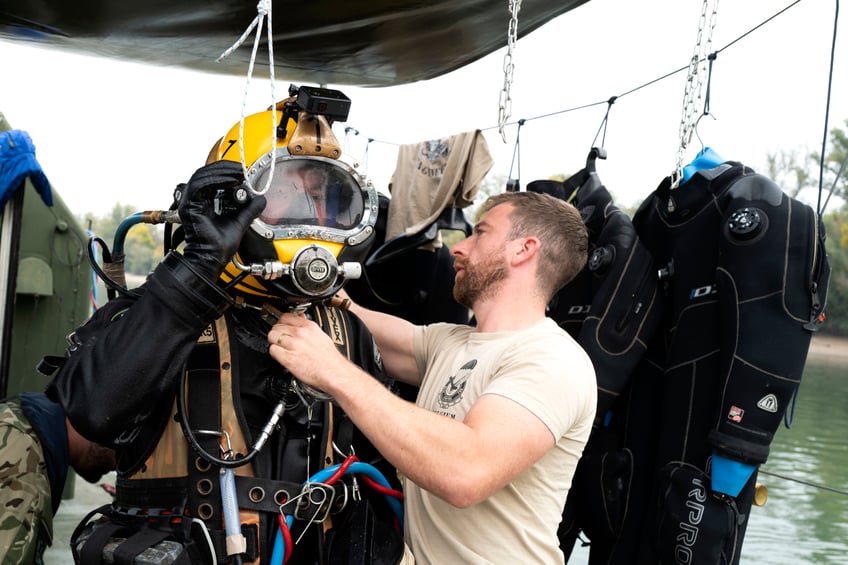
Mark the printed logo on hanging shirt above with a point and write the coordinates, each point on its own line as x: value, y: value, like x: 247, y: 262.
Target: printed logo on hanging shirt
x: 433, y: 157
x: 735, y: 414
x: 451, y: 393
x: 768, y: 403
x: 208, y: 335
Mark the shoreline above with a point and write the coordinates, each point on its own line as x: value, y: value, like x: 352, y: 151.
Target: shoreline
x: 828, y: 350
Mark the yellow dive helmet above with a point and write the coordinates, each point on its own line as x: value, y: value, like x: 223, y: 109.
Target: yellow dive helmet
x: 318, y: 224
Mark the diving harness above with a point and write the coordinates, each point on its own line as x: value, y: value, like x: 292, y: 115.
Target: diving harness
x: 315, y: 501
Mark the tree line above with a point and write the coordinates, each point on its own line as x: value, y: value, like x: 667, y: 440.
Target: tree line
x: 800, y: 174
x: 143, y: 244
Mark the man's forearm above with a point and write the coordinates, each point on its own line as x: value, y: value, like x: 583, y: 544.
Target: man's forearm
x: 433, y: 451
x: 394, y: 339
x: 462, y: 462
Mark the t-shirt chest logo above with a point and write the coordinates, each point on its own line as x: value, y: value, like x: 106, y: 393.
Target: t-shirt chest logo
x: 452, y: 392
x: 433, y: 158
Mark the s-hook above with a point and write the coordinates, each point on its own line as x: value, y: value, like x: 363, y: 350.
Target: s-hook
x: 514, y: 184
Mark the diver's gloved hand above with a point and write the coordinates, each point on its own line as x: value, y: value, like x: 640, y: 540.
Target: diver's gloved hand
x: 212, y: 239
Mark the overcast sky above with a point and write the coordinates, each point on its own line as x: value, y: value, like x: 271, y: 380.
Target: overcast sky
x: 110, y: 131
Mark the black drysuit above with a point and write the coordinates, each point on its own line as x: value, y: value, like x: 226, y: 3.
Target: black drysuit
x: 728, y: 277
x: 118, y: 387
x: 743, y: 278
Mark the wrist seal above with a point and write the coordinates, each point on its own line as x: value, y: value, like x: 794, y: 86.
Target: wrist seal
x: 177, y: 282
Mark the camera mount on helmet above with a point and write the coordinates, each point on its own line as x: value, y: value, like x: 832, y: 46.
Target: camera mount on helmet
x: 331, y: 105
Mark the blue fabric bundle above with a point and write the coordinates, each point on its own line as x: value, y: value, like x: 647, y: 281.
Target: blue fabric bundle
x: 17, y: 162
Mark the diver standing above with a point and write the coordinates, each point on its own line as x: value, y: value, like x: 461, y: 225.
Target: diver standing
x: 223, y: 457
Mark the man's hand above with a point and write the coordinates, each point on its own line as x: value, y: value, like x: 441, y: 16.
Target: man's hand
x: 302, y: 347
x: 211, y: 239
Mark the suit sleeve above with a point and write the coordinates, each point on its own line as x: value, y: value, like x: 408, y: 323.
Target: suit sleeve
x: 123, y: 365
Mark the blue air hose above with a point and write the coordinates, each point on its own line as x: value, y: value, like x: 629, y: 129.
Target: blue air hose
x: 358, y: 468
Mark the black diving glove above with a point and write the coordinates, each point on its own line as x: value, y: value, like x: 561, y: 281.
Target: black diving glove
x: 212, y: 238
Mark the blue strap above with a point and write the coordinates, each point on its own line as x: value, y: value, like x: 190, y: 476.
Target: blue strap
x: 17, y: 162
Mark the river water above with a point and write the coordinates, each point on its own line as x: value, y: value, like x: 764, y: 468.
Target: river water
x: 804, y: 521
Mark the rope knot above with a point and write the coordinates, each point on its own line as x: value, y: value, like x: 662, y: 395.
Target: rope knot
x: 263, y: 7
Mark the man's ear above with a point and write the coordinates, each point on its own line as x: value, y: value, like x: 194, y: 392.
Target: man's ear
x: 527, y: 249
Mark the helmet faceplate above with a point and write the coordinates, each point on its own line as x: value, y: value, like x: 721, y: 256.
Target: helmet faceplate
x: 318, y: 223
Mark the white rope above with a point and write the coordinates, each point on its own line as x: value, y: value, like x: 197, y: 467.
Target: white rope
x: 263, y: 10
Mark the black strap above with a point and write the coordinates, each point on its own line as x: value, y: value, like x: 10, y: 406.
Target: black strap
x: 255, y: 493
x: 92, y: 551
x: 128, y: 550
x: 219, y: 543
x: 251, y: 536
x: 49, y: 364
x: 204, y: 414
x: 165, y: 496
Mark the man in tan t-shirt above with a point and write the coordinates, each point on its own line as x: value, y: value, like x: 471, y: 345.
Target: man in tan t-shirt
x: 504, y: 408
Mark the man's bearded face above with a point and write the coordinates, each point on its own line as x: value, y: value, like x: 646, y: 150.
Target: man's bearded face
x: 478, y: 278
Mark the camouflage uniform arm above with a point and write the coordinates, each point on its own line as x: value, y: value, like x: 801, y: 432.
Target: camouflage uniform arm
x: 26, y: 528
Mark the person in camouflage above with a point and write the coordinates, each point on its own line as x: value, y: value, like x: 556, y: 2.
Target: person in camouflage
x: 37, y: 445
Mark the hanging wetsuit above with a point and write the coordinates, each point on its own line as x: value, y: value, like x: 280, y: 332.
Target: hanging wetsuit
x: 743, y: 277
x: 612, y: 309
x: 409, y: 276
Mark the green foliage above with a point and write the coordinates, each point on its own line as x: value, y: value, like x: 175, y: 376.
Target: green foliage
x: 835, y: 175
x: 491, y: 185
x: 795, y: 171
x: 799, y: 177
x: 452, y: 237
x: 836, y: 309
x: 142, y: 243
x: 790, y: 172
x: 142, y: 249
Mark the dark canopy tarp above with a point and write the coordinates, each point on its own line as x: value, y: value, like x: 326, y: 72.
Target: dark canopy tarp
x: 356, y: 42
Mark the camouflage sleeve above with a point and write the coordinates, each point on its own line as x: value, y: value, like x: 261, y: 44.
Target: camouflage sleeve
x: 26, y: 526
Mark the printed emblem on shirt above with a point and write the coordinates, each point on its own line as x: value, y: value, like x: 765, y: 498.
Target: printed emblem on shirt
x: 451, y: 393
x: 433, y: 158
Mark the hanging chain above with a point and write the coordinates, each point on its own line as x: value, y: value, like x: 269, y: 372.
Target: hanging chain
x: 505, y: 102
x: 694, y: 86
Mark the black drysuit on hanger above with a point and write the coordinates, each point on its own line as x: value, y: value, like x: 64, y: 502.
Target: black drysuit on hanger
x: 743, y: 279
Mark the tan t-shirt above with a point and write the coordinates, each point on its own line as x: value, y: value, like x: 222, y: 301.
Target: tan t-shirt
x: 546, y: 371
